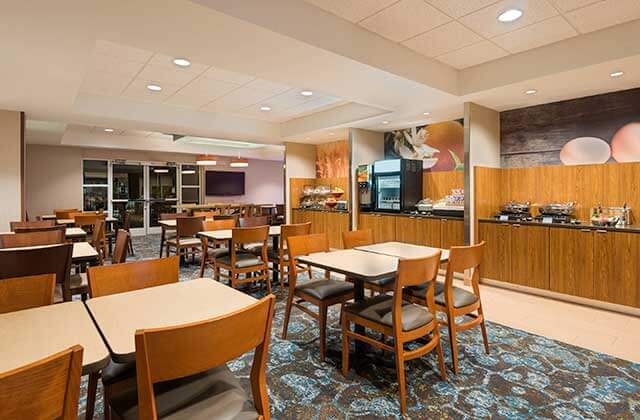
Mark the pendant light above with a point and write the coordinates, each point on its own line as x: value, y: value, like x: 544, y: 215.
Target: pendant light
x: 206, y: 160
x: 239, y: 163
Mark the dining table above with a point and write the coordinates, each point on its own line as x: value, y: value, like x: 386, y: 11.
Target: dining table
x: 71, y: 233
x: 120, y: 315
x: 405, y: 250
x: 32, y: 334
x: 84, y: 252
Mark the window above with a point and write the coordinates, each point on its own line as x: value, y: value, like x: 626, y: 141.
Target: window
x: 190, y: 177
x: 95, y: 185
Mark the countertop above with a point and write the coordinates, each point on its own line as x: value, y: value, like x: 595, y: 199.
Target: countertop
x: 630, y: 228
x: 416, y: 215
x: 324, y: 210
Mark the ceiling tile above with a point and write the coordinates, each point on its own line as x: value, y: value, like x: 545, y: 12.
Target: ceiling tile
x: 163, y: 74
x: 188, y: 101
x: 228, y: 76
x: 108, y: 84
x: 459, y: 8
x: 120, y: 66
x: 238, y: 99
x: 120, y: 51
x: 473, y: 54
x: 353, y: 10
x: 205, y: 87
x: 138, y: 90
x: 405, y: 19
x: 567, y: 5
x: 288, y: 99
x: 268, y: 86
x: 604, y: 14
x: 443, y: 39
x: 485, y: 21
x: 536, y: 35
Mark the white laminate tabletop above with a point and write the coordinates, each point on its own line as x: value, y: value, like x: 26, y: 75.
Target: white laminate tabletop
x: 403, y: 250
x: 225, y: 234
x: 75, y: 232
x: 108, y: 219
x: 33, y: 334
x: 119, y: 316
x: 171, y: 223
x: 353, y: 263
x: 83, y: 251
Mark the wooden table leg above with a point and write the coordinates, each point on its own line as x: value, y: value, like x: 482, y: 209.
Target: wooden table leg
x: 358, y: 296
x: 276, y: 246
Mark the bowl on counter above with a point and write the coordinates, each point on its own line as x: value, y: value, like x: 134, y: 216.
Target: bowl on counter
x: 605, y: 221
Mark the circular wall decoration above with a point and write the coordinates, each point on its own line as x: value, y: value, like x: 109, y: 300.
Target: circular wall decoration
x: 585, y: 150
x: 625, y: 145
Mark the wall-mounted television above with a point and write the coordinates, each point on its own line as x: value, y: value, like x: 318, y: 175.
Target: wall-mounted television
x: 224, y: 183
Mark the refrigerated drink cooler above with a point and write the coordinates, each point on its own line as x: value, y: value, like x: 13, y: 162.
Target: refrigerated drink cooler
x: 397, y: 184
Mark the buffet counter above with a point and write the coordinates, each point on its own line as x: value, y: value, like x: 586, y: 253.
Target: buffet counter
x: 331, y: 222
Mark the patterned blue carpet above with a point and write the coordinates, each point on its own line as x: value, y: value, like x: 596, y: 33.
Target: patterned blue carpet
x: 525, y: 376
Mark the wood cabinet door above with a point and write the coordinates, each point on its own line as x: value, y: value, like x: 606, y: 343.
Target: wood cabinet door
x: 386, y: 229
x: 407, y: 230
x: 318, y: 222
x: 496, y: 262
x: 430, y: 232
x: 452, y: 233
x: 617, y: 267
x: 335, y: 224
x: 368, y: 221
x: 530, y: 256
x: 571, y: 261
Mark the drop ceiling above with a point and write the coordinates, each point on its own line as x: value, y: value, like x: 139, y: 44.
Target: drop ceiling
x: 465, y: 33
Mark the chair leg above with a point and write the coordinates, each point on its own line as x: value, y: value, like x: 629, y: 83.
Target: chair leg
x: 345, y: 344
x: 287, y: 313
x: 323, y: 330
x: 92, y: 389
x: 203, y: 262
x: 443, y: 371
x: 451, y: 323
x: 267, y: 279
x: 282, y: 274
x: 402, y: 386
x: 485, y: 337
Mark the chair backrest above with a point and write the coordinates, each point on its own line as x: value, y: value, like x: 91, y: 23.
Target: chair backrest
x: 304, y: 245
x: 169, y: 353
x: 36, y: 238
x: 22, y: 262
x: 67, y: 214
x: 27, y: 292
x: 27, y: 229
x: 209, y: 225
x: 172, y: 216
x: 253, y: 221
x: 462, y: 258
x: 45, y: 389
x: 298, y: 229
x: 126, y: 220
x: 248, y: 235
x: 356, y: 238
x: 111, y: 279
x: 209, y: 214
x: 32, y: 224
x: 119, y: 254
x: 188, y: 226
x: 88, y: 219
x: 414, y: 272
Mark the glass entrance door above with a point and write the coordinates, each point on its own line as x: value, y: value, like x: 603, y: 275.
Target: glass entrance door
x: 128, y: 186
x: 163, y: 193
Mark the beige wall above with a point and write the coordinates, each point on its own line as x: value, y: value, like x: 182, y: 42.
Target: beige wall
x: 300, y: 162
x: 54, y: 173
x: 366, y: 147
x: 11, y: 177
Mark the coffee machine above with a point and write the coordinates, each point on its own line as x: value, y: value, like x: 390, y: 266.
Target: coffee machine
x: 364, y: 177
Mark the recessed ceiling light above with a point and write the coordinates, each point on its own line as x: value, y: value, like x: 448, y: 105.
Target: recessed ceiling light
x: 510, y: 15
x: 426, y: 113
x: 531, y: 91
x: 109, y: 130
x: 265, y: 108
x: 385, y: 122
x: 306, y: 93
x: 616, y: 74
x: 154, y: 88
x: 181, y: 62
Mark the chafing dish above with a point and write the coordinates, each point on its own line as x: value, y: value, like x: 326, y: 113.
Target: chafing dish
x: 558, y: 209
x: 515, y: 207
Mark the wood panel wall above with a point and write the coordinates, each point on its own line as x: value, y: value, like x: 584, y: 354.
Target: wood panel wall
x: 332, y: 159
x: 610, y: 184
x: 436, y: 185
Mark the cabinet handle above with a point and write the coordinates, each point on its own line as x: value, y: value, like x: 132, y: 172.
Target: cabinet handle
x: 443, y: 220
x: 504, y: 224
x: 601, y: 231
x: 585, y: 230
x: 516, y: 225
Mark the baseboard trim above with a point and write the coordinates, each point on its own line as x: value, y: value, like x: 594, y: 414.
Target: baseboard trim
x: 613, y: 307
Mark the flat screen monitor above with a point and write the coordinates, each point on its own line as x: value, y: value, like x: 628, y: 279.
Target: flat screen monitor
x: 224, y: 183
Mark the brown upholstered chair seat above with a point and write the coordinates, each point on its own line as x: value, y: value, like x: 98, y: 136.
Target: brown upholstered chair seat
x: 324, y: 289
x: 383, y: 282
x: 243, y: 260
x: 185, y: 241
x: 214, y: 394
x: 461, y: 297
x: 379, y: 310
x: 421, y: 291
x: 218, y: 252
x: 256, y: 248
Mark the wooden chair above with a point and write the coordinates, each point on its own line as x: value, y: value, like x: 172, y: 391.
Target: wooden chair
x: 38, y: 238
x: 253, y: 221
x: 239, y: 262
x: 32, y: 224
x: 214, y: 249
x: 185, y: 240
x: 455, y: 301
x: 28, y: 229
x: 321, y: 293
x: 45, y: 389
x: 182, y: 370
x: 111, y: 279
x: 364, y: 237
x: 22, y: 262
x: 94, y: 223
x: 127, y: 227
x: 403, y: 321
x: 280, y: 257
x: 119, y: 254
x: 67, y: 214
x: 21, y: 293
x: 209, y: 214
